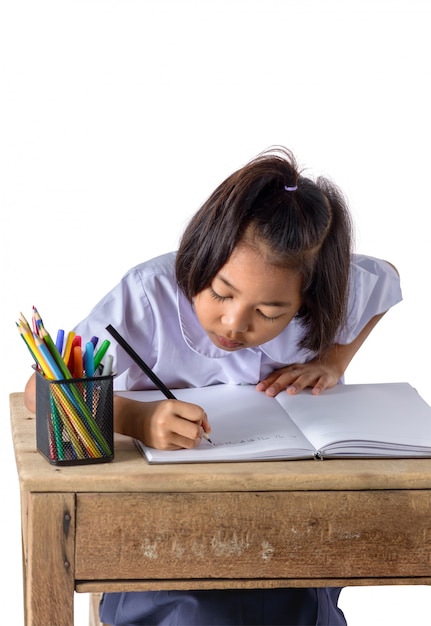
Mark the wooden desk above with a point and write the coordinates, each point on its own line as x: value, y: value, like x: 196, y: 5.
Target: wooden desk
x: 130, y: 526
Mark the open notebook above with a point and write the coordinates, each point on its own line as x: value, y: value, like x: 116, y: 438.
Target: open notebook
x: 347, y: 421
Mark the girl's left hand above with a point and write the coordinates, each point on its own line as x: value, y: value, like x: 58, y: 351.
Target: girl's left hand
x: 320, y: 373
x: 294, y: 378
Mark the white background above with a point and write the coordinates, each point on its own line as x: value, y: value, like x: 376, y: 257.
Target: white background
x: 119, y: 118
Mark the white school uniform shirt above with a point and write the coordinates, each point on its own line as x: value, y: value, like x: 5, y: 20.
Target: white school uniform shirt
x: 150, y: 311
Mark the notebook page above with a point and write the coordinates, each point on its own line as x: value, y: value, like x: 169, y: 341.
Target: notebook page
x: 246, y: 425
x: 391, y: 415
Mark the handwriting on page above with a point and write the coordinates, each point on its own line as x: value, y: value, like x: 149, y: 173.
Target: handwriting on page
x: 248, y: 440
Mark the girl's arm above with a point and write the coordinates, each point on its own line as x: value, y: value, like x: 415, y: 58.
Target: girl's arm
x: 320, y: 373
x: 30, y: 394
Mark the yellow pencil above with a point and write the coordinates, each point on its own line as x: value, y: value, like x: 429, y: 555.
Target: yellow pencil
x: 76, y: 422
x: 36, y: 353
x: 68, y: 346
x: 24, y: 323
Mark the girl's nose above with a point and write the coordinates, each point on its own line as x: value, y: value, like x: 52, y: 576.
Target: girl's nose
x: 236, y: 321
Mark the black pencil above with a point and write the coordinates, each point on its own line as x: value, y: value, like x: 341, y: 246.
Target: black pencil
x: 144, y: 367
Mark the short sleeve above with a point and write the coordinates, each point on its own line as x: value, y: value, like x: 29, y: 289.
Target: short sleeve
x: 373, y: 289
x: 126, y: 308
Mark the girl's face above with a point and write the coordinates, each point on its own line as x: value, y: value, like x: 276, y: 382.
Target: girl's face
x: 249, y: 301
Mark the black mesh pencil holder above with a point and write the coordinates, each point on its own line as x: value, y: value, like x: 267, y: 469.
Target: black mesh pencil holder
x: 74, y: 420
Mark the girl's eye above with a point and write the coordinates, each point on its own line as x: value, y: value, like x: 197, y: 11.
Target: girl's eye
x: 219, y: 298
x: 266, y: 318
x: 216, y: 296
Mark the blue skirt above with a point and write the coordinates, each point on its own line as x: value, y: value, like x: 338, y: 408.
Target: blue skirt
x: 224, y: 607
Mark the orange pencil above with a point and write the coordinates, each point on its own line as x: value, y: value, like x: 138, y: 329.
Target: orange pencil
x: 78, y: 365
x: 76, y: 341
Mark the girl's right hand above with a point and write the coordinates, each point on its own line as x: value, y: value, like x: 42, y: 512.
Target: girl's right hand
x: 165, y: 424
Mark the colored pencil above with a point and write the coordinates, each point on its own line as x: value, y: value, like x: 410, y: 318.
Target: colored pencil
x: 101, y: 353
x: 68, y: 346
x: 69, y: 413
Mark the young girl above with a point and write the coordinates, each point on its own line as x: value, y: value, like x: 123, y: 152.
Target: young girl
x: 264, y: 290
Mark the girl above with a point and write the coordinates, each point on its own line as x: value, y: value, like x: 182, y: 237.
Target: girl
x: 264, y: 289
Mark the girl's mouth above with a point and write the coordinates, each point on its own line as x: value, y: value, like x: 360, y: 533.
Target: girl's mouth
x: 228, y: 344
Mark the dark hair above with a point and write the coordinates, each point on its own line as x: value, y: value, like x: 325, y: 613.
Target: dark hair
x: 307, y: 229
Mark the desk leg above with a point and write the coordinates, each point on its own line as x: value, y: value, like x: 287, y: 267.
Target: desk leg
x: 49, y: 579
